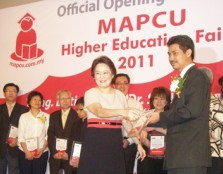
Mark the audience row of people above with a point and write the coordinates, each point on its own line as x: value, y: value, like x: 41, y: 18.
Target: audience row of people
x: 38, y: 133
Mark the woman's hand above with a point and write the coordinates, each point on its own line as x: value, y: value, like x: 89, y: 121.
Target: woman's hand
x: 143, y: 136
x: 28, y: 155
x: 133, y: 114
x: 40, y: 152
x: 142, y: 152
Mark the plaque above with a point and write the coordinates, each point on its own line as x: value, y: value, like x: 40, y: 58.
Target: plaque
x: 13, y: 133
x: 32, y: 145
x: 157, y: 144
x: 75, y: 153
x: 61, y: 145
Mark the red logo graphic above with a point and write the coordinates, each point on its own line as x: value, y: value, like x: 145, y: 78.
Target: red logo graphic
x: 26, y: 45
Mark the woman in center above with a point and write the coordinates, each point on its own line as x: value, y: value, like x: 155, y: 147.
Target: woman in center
x: 102, y: 151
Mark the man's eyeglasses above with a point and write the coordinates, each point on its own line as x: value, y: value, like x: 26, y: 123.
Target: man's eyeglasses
x: 10, y: 91
x: 120, y: 84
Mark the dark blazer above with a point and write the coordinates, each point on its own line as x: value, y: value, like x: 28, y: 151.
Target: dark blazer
x: 82, y: 128
x: 56, y: 130
x: 5, y: 122
x: 187, y: 124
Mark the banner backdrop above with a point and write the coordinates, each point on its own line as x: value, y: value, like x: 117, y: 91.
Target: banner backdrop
x: 50, y: 45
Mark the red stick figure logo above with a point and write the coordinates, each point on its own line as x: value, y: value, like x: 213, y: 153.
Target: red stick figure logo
x: 26, y: 44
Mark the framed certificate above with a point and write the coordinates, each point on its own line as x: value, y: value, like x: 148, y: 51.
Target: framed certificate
x: 32, y: 145
x: 76, y: 149
x: 12, y: 133
x: 75, y: 153
x: 157, y: 145
x: 61, y: 145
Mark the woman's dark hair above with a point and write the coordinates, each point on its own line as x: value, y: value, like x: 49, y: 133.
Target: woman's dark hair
x: 160, y: 91
x: 184, y: 42
x: 80, y: 101
x: 32, y: 94
x: 220, y: 81
x: 105, y: 60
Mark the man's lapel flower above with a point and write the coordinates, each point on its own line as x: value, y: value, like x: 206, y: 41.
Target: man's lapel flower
x: 42, y: 119
x: 176, y: 85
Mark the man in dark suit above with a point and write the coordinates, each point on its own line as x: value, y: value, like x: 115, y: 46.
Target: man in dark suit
x: 62, y: 123
x: 187, y: 146
x: 10, y: 112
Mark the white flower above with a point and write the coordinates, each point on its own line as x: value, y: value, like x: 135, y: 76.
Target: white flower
x: 174, y: 85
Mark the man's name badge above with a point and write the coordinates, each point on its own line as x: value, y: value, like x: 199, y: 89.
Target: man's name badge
x: 32, y: 145
x: 13, y: 133
x: 61, y: 145
x: 157, y: 145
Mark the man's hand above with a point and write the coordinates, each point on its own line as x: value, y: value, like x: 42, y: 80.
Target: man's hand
x: 14, y: 142
x: 57, y: 156
x: 65, y: 156
x: 74, y: 162
x: 154, y: 117
x: 133, y: 114
x: 125, y: 143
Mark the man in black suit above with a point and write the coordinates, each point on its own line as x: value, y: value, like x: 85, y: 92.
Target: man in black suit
x: 10, y: 112
x: 187, y: 146
x: 62, y: 123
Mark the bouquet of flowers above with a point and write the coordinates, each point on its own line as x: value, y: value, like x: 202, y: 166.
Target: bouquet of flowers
x: 135, y: 127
